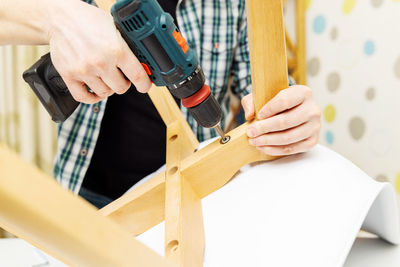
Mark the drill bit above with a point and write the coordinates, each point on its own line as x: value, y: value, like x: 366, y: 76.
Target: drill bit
x: 219, y: 131
x: 224, y: 138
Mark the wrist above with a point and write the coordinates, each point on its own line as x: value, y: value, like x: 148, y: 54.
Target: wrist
x: 58, y: 18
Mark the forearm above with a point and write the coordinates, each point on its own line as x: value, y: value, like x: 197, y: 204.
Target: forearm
x: 85, y: 46
x: 29, y: 22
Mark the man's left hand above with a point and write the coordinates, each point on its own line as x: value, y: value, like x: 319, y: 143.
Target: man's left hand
x: 288, y: 124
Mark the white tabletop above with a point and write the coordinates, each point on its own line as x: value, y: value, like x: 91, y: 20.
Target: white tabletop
x: 366, y: 252
x: 15, y: 252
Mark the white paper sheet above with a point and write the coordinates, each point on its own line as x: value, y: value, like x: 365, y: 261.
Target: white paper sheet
x: 373, y: 252
x: 16, y: 253
x: 302, y: 210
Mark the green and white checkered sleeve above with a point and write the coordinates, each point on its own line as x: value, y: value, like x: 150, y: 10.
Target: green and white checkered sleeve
x: 241, y: 75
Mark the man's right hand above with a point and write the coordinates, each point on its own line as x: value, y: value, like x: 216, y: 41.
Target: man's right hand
x: 86, y: 48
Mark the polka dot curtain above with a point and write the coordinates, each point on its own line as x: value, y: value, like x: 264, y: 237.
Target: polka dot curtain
x: 353, y: 54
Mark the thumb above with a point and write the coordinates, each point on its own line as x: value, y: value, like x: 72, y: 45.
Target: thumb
x: 248, y: 106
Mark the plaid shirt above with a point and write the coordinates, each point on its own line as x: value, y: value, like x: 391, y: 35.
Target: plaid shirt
x: 218, y: 31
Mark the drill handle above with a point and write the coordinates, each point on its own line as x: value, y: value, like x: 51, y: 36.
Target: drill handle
x: 54, y: 79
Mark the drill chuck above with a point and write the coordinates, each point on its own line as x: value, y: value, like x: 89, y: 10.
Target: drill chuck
x: 204, y: 108
x: 208, y: 113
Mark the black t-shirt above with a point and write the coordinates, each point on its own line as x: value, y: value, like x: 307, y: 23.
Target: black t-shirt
x: 131, y: 142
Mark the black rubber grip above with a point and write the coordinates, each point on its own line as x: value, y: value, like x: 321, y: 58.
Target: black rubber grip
x: 54, y: 79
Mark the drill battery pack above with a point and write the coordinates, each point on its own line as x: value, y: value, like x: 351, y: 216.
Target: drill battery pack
x: 51, y: 90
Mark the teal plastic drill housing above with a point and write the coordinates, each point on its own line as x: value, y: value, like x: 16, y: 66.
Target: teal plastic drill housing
x: 149, y: 31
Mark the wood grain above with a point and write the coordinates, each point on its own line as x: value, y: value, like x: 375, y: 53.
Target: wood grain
x: 301, y: 42
x: 170, y: 113
x: 267, y: 49
x: 34, y: 207
x: 184, y: 230
x: 105, y: 4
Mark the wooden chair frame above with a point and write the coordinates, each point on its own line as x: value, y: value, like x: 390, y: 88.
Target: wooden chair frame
x: 297, y: 50
x: 35, y: 208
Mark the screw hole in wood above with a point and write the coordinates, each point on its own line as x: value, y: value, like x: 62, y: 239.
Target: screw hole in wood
x: 173, y: 138
x: 173, y: 246
x: 173, y: 170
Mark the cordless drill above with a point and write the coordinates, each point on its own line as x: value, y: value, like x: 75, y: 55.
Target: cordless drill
x: 163, y: 52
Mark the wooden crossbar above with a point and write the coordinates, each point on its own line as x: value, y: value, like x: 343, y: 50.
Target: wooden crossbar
x: 207, y: 170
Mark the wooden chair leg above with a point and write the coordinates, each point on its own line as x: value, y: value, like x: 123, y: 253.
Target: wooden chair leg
x: 267, y: 49
x: 184, y: 230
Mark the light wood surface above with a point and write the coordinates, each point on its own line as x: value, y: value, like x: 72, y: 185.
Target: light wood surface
x: 297, y: 50
x: 33, y: 206
x: 170, y: 113
x: 301, y: 67
x: 140, y: 209
x: 184, y: 230
x: 173, y: 195
x: 105, y: 4
x: 267, y: 49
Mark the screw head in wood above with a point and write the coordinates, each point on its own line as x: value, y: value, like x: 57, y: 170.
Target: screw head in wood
x: 225, y: 140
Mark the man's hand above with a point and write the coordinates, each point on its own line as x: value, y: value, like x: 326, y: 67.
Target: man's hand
x: 86, y: 48
x: 288, y: 124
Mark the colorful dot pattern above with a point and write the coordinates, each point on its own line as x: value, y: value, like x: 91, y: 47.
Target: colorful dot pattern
x: 329, y: 137
x: 369, y: 48
x: 348, y: 6
x: 353, y: 67
x: 329, y: 113
x: 319, y: 24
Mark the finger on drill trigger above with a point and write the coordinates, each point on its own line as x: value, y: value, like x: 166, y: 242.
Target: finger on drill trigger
x: 116, y: 81
x: 97, y: 85
x: 284, y: 100
x: 80, y: 93
x: 133, y: 70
